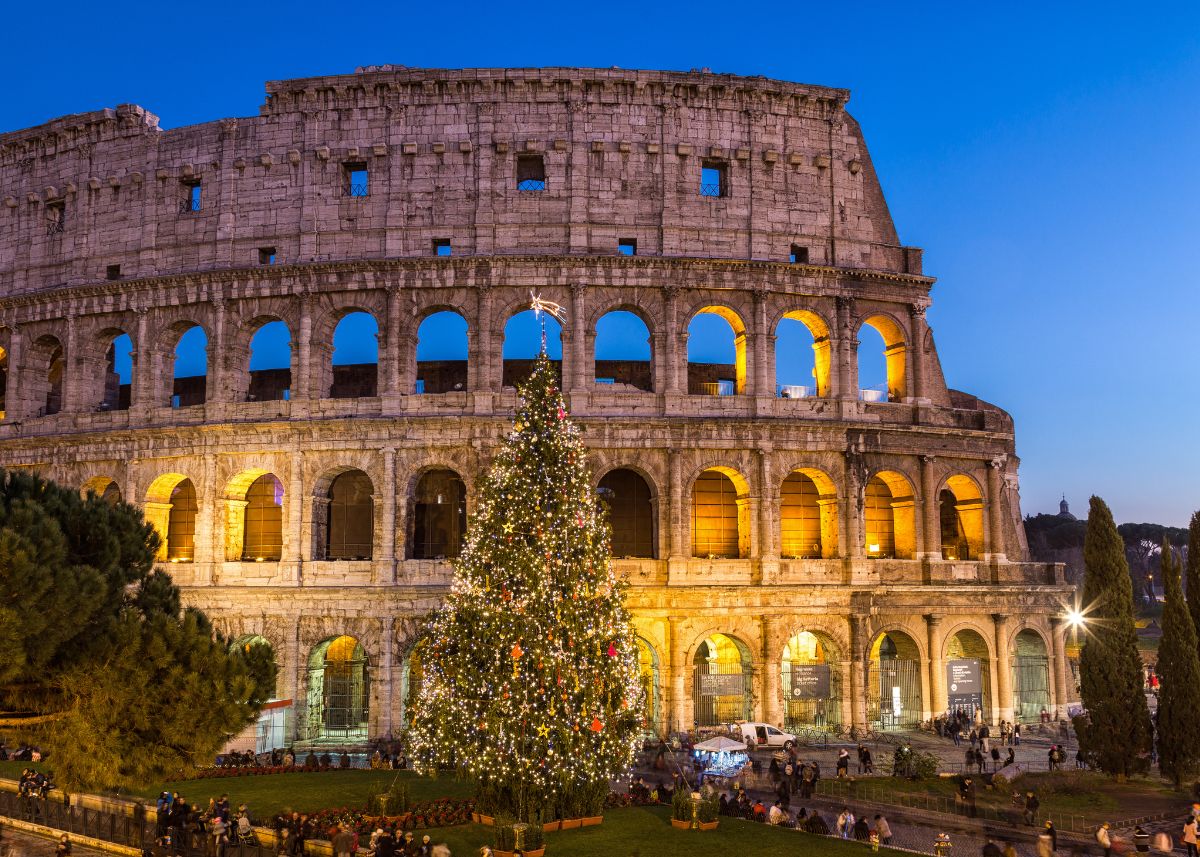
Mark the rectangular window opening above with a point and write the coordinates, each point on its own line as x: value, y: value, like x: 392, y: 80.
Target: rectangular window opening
x: 799, y: 255
x: 56, y: 217
x: 112, y: 272
x: 266, y: 255
x: 627, y: 246
x: 714, y: 178
x: 358, y: 179
x: 191, y: 196
x: 441, y: 246
x: 531, y: 173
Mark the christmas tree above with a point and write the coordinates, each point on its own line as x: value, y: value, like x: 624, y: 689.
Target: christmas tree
x: 531, y: 684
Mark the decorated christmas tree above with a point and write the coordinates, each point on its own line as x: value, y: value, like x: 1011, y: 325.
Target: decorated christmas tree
x: 531, y: 684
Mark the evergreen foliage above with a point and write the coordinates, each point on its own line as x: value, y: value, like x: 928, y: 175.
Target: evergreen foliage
x: 1179, y: 672
x: 99, y: 665
x: 531, y: 681
x: 1193, y: 570
x: 1115, y: 729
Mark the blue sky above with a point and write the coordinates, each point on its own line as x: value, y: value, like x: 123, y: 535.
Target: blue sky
x: 1044, y: 155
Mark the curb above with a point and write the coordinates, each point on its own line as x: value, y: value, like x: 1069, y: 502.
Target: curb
x: 55, y: 833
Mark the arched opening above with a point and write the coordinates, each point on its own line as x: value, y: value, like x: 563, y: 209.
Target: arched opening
x: 961, y: 514
x: 648, y: 667
x: 624, y: 357
x: 630, y: 513
x: 181, y: 523
x: 523, y: 344
x: 811, y: 682
x: 894, y: 682
x: 724, y: 681
x: 189, y: 372
x: 888, y: 517
x: 881, y: 361
x: 802, y: 356
x: 355, y: 357
x: 412, y: 673
x: 439, y: 515
x: 118, y: 375
x: 808, y: 518
x: 49, y: 363
x: 338, y: 692
x: 968, y: 674
x: 270, y: 363
x: 720, y: 516
x: 1031, y: 677
x: 104, y: 489
x: 350, y: 526
x: 716, y: 344
x: 442, y: 353
x: 263, y: 520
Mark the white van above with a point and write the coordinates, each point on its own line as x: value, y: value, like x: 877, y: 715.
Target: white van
x: 762, y: 735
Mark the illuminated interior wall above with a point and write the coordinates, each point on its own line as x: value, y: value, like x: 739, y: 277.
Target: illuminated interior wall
x: 350, y: 531
x: 439, y: 515
x: 263, y: 517
x: 809, y: 648
x: 800, y: 533
x: 889, y: 517
x: 181, y: 523
x: 895, y: 353
x: 715, y: 516
x: 962, y: 519
x: 630, y: 513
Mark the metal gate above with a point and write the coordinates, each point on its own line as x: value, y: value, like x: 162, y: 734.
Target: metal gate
x: 1031, y: 687
x: 894, y: 693
x: 723, y: 693
x: 337, y: 702
x: 823, y: 713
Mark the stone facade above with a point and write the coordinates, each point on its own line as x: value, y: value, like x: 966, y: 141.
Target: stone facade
x: 104, y: 232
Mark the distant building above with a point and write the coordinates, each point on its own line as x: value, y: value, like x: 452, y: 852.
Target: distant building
x: 1064, y: 510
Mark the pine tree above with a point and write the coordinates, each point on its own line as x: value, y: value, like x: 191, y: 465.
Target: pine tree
x: 531, y: 683
x: 1115, y: 730
x: 1179, y: 672
x: 99, y: 664
x: 1193, y: 570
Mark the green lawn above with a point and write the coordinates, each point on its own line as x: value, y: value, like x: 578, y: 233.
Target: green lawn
x: 268, y: 794
x: 638, y: 831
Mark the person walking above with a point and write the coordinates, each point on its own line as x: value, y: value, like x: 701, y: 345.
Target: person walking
x: 1048, y: 829
x: 1031, y: 807
x: 1104, y: 838
x: 343, y: 842
x: 843, y: 763
x: 1045, y: 847
x: 1189, y: 835
x: 991, y: 849
x: 883, y: 829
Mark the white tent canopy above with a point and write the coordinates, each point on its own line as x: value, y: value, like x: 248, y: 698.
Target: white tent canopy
x: 721, y: 744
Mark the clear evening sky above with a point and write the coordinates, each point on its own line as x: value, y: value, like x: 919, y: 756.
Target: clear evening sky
x: 1046, y: 156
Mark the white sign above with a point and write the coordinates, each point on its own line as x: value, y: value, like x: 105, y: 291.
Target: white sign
x: 896, y: 706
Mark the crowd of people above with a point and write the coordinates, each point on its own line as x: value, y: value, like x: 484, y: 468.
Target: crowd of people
x: 23, y: 753
x: 178, y: 823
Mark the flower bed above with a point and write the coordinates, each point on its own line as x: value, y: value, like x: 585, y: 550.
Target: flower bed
x: 443, y: 812
x: 259, y: 770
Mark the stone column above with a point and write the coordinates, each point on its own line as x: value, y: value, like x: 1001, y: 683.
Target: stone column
x: 208, y: 552
x: 235, y: 531
x: 141, y: 391
x: 931, y: 520
x: 303, y: 381
x: 675, y: 339
x: 392, y: 362
x: 916, y: 314
x: 758, y: 339
x: 1003, y: 705
x: 217, y: 387
x: 680, y: 721
x: 995, y: 480
x: 847, y: 354
x: 772, y: 698
x: 14, y: 408
x: 675, y: 511
x: 482, y: 355
x: 854, y: 541
x: 387, y: 539
x: 293, y: 535
x: 768, y: 508
x: 290, y: 673
x: 938, y: 700
x: 577, y: 324
x: 73, y: 373
x: 387, y: 656
x: 858, y: 672
x: 158, y: 515
x: 1060, y: 672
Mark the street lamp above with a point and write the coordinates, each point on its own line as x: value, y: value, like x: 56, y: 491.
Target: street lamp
x: 1075, y: 618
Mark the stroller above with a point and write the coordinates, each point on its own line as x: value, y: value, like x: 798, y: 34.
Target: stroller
x: 245, y: 831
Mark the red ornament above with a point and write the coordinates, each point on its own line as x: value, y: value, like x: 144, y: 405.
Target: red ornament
x: 612, y: 650
x: 516, y: 651
x: 596, y: 724
x: 562, y: 415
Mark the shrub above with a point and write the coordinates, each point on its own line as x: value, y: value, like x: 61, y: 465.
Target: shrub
x: 710, y: 805
x: 535, y: 837
x: 504, y: 838
x: 681, y: 804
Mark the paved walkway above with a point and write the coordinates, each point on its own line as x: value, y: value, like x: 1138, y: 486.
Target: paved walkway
x: 17, y: 843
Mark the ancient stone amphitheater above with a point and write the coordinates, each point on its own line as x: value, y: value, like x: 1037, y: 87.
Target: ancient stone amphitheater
x: 810, y: 554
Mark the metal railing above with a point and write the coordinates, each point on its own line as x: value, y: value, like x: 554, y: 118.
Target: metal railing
x: 796, y: 391
x: 358, y: 189
x: 710, y: 189
x: 718, y: 388
x: 190, y: 204
x: 531, y: 184
x: 55, y: 227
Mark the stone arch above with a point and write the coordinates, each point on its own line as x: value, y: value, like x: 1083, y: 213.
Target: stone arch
x: 346, y: 377
x: 175, y: 354
x: 967, y: 641
x: 171, y: 507
x: 252, y: 381
x: 437, y: 518
x: 47, y: 362
x: 894, y: 680
x: 1031, y: 674
x: 98, y: 376
x: 253, y: 530
x: 624, y: 372
x: 650, y: 669
x: 521, y: 337
x: 698, y: 374
x: 818, y: 329
x: 632, y: 502
x: 808, y: 515
x: 344, y: 515
x: 723, y: 689
x: 104, y: 488
x: 720, y: 513
x: 961, y: 515
x: 338, y: 692
x: 895, y: 346
x: 889, y: 519
x: 447, y: 367
x: 811, y: 679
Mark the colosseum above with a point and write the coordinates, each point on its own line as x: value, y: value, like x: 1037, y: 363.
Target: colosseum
x: 803, y: 548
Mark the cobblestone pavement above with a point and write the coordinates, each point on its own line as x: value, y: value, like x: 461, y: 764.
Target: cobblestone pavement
x: 17, y: 843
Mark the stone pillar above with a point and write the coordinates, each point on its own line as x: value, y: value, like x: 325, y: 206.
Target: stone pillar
x: 296, y: 500
x: 847, y: 354
x: 482, y: 356
x: 939, y: 702
x: 235, y: 531
x: 387, y: 539
x: 676, y: 340
x: 14, y: 408
x: 386, y: 690
x: 1060, y: 672
x: 217, y: 387
x: 931, y: 518
x: 289, y: 674
x: 391, y: 361
x: 768, y: 508
x: 73, y: 373
x: 858, y: 672
x: 208, y: 553
x: 759, y: 340
x: 854, y: 539
x: 995, y: 485
x: 1003, y: 704
x: 158, y: 515
x: 772, y: 693
x: 303, y: 381
x: 917, y: 353
x: 675, y: 511
x: 141, y: 392
x: 577, y: 324
x: 680, y: 720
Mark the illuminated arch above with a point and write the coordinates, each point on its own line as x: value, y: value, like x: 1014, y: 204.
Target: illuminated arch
x: 649, y: 669
x: 254, y: 517
x: 968, y: 643
x: 171, y: 506
x: 704, y: 378
x: 720, y: 519
x: 338, y: 695
x: 894, y: 681
x: 960, y: 505
x: 816, y: 329
x: 894, y: 352
x: 808, y: 515
x: 888, y: 516
x: 104, y: 488
x: 1031, y: 676
x: 724, y: 680
x: 811, y: 697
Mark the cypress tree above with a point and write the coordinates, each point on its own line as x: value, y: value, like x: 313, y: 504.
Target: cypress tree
x: 1193, y: 570
x: 1179, y: 671
x: 1115, y: 728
